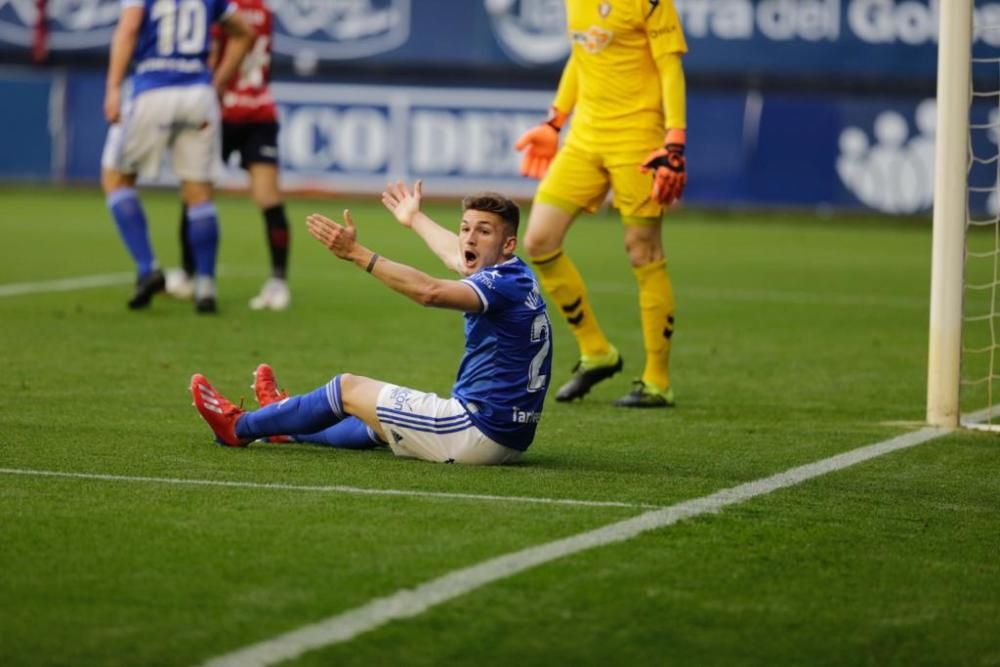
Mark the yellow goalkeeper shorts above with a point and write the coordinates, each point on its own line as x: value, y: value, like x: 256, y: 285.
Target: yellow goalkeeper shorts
x: 580, y: 180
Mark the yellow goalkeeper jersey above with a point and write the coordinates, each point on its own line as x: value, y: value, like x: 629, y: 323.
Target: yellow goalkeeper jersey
x: 619, y: 105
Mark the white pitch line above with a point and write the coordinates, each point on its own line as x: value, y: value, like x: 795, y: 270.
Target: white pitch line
x: 713, y: 294
x: 322, y: 489
x: 89, y: 282
x: 67, y: 284
x: 408, y: 603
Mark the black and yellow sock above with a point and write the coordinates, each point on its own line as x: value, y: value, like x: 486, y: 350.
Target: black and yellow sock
x: 656, y: 304
x: 564, y: 284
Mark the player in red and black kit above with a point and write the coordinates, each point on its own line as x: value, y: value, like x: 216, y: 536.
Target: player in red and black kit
x: 250, y: 128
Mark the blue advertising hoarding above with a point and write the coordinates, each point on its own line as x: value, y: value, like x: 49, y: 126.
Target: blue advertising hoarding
x: 744, y: 149
x: 27, y: 137
x: 892, y: 40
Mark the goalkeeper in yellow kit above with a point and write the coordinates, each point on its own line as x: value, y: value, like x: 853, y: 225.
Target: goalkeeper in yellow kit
x: 624, y: 85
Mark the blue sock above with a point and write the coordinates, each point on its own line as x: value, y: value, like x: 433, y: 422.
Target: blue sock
x: 352, y: 433
x: 126, y: 209
x: 203, y: 234
x: 309, y: 413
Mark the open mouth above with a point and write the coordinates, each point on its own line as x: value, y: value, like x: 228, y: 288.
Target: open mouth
x: 470, y: 258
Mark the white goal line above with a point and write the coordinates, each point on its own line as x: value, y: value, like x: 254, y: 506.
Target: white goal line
x: 29, y: 472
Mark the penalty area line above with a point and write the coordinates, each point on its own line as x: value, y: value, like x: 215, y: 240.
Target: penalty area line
x: 408, y: 603
x: 356, y: 490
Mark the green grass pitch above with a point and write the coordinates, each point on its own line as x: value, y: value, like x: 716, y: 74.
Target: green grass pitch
x: 797, y: 339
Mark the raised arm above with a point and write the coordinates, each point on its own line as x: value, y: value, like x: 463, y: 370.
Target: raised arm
x: 405, y: 206
x: 122, y: 48
x: 426, y: 290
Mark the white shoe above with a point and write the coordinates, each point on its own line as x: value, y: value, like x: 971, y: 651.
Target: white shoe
x: 179, y: 284
x: 274, y: 295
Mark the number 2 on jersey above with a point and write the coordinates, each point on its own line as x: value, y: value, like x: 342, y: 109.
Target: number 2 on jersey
x: 541, y: 330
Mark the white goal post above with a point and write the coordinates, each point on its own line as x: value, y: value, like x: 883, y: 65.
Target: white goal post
x: 950, y: 212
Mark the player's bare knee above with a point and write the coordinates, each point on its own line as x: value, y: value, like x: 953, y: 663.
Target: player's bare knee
x: 265, y: 195
x: 537, y: 243
x: 642, y: 251
x: 194, y: 193
x: 264, y: 186
x: 267, y: 199
x: 113, y: 180
x: 355, y: 388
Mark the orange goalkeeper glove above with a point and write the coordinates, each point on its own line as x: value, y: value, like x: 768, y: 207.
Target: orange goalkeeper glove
x: 540, y: 144
x: 669, y: 168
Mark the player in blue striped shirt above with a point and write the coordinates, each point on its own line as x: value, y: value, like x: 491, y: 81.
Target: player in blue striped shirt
x: 497, y: 398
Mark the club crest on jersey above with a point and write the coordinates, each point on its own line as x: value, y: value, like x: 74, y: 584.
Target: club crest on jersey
x: 340, y: 29
x: 593, y: 39
x: 604, y: 9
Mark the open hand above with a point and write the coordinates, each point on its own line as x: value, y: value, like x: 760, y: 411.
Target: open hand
x: 539, y: 145
x: 401, y: 202
x: 339, y: 239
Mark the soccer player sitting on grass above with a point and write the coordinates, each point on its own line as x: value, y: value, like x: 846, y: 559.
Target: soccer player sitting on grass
x: 498, y: 395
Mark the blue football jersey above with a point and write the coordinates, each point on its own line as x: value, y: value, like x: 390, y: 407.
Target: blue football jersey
x: 173, y: 43
x: 508, y: 355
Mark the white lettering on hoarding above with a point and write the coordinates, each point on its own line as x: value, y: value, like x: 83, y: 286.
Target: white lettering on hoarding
x: 776, y: 20
x: 72, y: 24
x: 336, y: 29
x: 340, y: 29
x: 319, y: 138
x: 467, y: 142
x: 808, y: 20
x: 887, y: 21
x: 877, y: 22
x: 459, y: 142
x: 357, y: 137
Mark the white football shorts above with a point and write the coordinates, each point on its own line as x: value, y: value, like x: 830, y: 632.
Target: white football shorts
x: 425, y: 426
x: 184, y: 119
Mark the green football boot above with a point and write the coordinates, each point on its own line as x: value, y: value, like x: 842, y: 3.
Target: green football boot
x: 645, y: 395
x: 587, y: 373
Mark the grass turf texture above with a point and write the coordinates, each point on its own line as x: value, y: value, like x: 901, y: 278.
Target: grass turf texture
x: 796, y: 340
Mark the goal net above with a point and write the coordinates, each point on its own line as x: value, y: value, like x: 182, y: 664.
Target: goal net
x: 964, y: 355
x: 980, y: 363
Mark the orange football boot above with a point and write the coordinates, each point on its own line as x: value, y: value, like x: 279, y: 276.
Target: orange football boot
x: 265, y: 387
